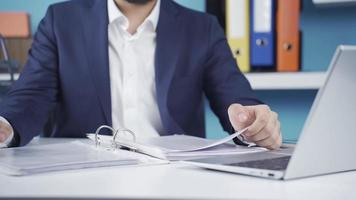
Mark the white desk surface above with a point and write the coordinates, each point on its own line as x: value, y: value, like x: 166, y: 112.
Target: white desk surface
x: 177, y: 181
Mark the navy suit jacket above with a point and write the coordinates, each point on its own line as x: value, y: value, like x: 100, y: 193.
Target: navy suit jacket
x: 67, y: 73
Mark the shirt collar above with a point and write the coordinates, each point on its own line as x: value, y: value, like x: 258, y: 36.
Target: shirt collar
x: 114, y: 14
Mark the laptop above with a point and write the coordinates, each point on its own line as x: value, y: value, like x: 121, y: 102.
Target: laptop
x: 327, y: 143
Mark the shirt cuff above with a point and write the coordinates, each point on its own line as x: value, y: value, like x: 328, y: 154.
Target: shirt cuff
x: 244, y: 142
x: 9, y: 139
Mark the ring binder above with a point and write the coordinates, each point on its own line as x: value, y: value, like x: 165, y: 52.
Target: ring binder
x: 97, y: 139
x: 125, y: 130
x: 115, y: 133
x: 173, y: 147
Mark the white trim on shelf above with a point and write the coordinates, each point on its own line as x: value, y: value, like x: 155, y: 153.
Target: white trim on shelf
x: 270, y: 80
x: 6, y: 77
x: 286, y: 80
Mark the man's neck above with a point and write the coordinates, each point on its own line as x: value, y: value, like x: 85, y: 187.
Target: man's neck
x: 135, y: 13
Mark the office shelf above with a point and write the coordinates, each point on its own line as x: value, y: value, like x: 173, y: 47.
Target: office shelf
x: 271, y: 80
x: 6, y: 77
x: 286, y: 80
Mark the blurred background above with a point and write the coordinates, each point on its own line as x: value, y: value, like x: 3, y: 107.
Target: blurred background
x: 315, y: 29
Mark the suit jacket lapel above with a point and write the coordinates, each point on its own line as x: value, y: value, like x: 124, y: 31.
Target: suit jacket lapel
x: 167, y: 48
x: 95, y: 28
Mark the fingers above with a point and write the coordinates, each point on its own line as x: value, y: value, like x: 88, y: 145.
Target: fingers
x: 277, y: 144
x: 272, y: 124
x: 262, y: 117
x: 263, y: 124
x: 265, y: 131
x: 274, y: 139
x: 239, y: 116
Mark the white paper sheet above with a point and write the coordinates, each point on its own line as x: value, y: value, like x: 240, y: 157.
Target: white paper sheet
x: 176, y: 147
x: 56, y: 157
x: 208, y: 144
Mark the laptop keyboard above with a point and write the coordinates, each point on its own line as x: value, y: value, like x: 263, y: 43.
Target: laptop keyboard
x: 280, y: 163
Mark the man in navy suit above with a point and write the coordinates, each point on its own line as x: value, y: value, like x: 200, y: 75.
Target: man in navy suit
x: 140, y: 64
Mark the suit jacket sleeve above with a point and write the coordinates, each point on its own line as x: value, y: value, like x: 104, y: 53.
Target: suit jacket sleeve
x: 34, y: 95
x: 224, y: 84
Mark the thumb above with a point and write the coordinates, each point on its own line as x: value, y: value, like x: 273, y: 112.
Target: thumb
x: 239, y: 116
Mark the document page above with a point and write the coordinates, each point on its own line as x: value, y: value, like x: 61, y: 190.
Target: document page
x: 182, y: 147
x: 185, y: 143
x: 53, y: 157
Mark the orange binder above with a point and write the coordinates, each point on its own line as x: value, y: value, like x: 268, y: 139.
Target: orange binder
x: 288, y: 37
x: 14, y: 24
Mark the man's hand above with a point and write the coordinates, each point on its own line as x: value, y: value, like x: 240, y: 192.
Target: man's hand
x: 5, y: 131
x: 263, y: 124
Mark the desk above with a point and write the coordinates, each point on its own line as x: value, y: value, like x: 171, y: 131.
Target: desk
x: 176, y: 181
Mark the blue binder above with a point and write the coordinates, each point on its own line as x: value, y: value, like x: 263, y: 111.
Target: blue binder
x: 262, y: 40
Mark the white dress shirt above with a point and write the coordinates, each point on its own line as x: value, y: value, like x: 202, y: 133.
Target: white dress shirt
x: 132, y: 75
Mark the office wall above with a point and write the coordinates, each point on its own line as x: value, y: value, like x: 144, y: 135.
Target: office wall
x: 194, y: 4
x: 37, y: 8
x: 323, y: 29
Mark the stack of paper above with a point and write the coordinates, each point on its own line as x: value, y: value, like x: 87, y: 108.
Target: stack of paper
x: 56, y: 157
x: 181, y: 147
